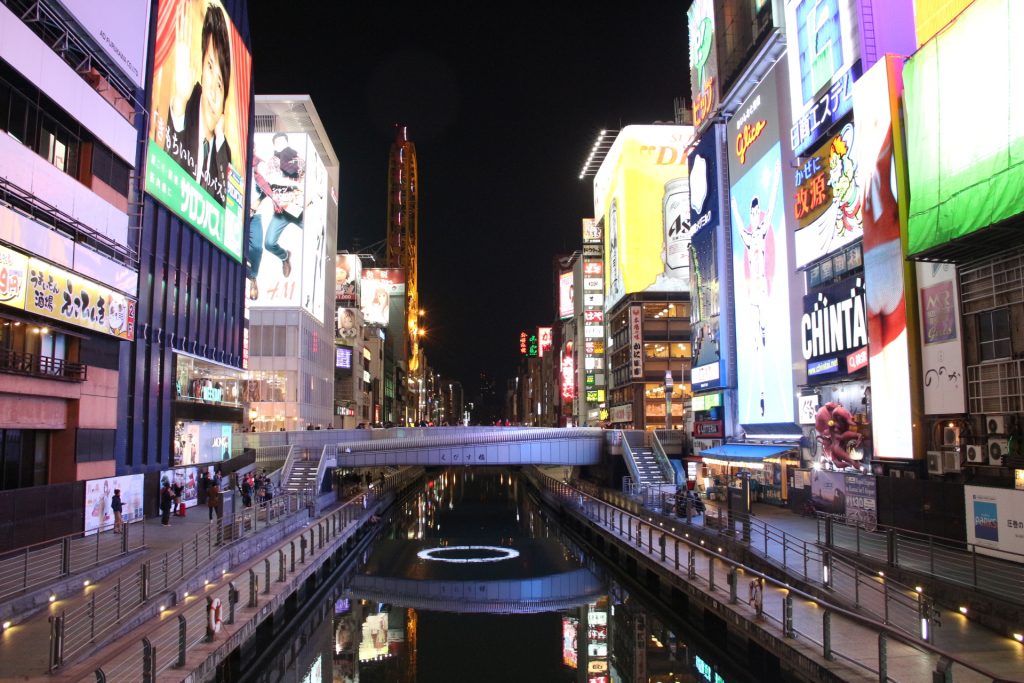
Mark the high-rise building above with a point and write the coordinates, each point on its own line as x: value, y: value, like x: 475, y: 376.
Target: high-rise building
x: 291, y: 253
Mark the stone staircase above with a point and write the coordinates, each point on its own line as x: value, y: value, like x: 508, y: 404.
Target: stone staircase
x: 302, y: 478
x: 647, y: 466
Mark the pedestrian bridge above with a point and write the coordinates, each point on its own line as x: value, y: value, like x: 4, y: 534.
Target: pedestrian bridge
x: 516, y: 596
x: 475, y: 447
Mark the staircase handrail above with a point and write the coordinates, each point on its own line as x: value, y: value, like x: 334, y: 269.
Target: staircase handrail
x: 627, y: 454
x: 286, y: 469
x: 667, y: 471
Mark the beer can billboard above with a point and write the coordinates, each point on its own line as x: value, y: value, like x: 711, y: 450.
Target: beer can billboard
x: 641, y: 193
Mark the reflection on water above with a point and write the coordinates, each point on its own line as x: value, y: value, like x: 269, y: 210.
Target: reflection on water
x: 471, y: 582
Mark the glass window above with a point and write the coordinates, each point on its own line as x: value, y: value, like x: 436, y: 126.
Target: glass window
x: 994, y: 334
x: 680, y: 349
x: 656, y: 350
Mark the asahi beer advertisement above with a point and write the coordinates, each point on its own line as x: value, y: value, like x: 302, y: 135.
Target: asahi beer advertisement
x: 196, y: 161
x: 995, y: 521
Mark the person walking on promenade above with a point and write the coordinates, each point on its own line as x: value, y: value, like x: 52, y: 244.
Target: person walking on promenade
x: 166, y: 499
x: 116, y: 505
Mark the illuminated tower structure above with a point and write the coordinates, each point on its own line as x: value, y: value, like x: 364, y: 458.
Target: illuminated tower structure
x: 403, y: 218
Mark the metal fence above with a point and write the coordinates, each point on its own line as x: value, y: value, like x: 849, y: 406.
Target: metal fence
x: 701, y: 565
x: 946, y: 559
x: 43, y: 564
x: 74, y: 629
x: 166, y: 645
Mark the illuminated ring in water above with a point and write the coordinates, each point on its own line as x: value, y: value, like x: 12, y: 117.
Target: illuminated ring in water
x: 502, y: 553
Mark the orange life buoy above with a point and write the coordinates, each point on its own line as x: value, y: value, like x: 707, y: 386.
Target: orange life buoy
x: 214, y: 615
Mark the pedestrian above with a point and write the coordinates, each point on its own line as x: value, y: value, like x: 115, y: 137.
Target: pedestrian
x: 116, y: 506
x: 166, y: 500
x: 756, y: 596
x: 176, y: 489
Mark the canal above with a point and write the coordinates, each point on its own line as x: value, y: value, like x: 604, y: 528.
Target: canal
x: 471, y: 579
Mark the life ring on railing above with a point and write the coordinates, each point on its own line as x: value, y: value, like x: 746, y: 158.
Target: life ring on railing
x: 214, y: 615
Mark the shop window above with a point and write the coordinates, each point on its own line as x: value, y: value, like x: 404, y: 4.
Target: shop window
x: 656, y: 350
x: 994, y: 334
x: 23, y: 458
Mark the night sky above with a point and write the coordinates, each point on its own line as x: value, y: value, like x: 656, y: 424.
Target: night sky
x: 503, y: 103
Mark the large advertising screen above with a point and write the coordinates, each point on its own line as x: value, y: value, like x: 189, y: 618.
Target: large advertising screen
x: 995, y: 522
x: 964, y: 155
x: 286, y: 250
x: 566, y: 303
x: 823, y: 41
x: 376, y: 288
x: 641, y: 192
x: 700, y: 21
x: 942, y: 358
x: 348, y: 269
x: 760, y: 260
x: 121, y: 28
x: 98, y: 493
x: 374, y: 641
x: 201, y: 442
x: 834, y: 330
x: 570, y: 652
x: 889, y: 357
x: 199, y: 119
x: 706, y: 371
x: 827, y: 201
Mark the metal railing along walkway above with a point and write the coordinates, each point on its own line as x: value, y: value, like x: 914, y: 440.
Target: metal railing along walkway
x: 865, y: 645
x: 45, y: 563
x: 74, y: 629
x: 167, y: 644
x: 945, y: 559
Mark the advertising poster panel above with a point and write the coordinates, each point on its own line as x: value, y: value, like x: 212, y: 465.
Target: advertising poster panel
x: 706, y: 371
x: 199, y: 119
x: 121, y: 28
x: 55, y: 293
x: 995, y: 521
x: 827, y: 202
x: 201, y: 442
x: 314, y: 236
x: 374, y: 641
x: 188, y: 479
x: 965, y: 172
x: 570, y: 652
x: 889, y: 357
x: 347, y: 271
x: 376, y: 288
x: 823, y: 41
x: 641, y: 191
x: 565, y: 295
x: 98, y: 492
x: 852, y: 496
x: 593, y: 232
x: 276, y: 226
x: 703, y: 59
x: 942, y: 357
x: 347, y: 324
x: 545, y: 340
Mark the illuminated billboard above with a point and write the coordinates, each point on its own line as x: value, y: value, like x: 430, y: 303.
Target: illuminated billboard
x: 529, y: 344
x: 833, y: 329
x: 641, y: 192
x: 704, y: 318
x: 288, y: 221
x: 875, y: 99
x: 544, y: 340
x: 942, y: 358
x: 570, y: 652
x: 964, y: 153
x: 827, y: 201
x: 98, y: 493
x: 120, y: 28
x: 824, y: 61
x: 188, y: 479
x: 931, y: 16
x: 704, y: 83
x: 347, y: 271
x: 55, y: 293
x: 593, y: 233
x: 199, y: 118
x: 346, y: 325
x: 565, y: 295
x: 760, y: 260
x: 376, y: 288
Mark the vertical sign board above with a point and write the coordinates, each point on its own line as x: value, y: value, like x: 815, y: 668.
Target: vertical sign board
x: 703, y: 60
x: 704, y: 272
x: 765, y: 391
x: 636, y: 345
x: 875, y: 97
x: 942, y: 358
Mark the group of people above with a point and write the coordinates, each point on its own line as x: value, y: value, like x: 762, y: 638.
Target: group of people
x: 170, y: 496
x: 258, y: 486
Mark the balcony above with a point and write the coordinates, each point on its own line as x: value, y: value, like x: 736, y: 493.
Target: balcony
x: 996, y: 387
x: 33, y: 365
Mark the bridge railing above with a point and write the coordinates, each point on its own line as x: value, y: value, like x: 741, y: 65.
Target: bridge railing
x: 648, y: 533
x: 460, y: 438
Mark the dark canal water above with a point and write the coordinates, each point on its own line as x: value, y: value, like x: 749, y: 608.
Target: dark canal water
x: 420, y: 607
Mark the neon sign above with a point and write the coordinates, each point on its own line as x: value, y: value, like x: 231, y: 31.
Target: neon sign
x: 747, y: 136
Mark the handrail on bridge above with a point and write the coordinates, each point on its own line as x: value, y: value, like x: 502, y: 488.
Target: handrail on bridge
x: 661, y: 457
x: 586, y: 503
x: 498, y: 435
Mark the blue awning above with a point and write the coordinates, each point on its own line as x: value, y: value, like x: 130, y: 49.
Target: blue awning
x: 746, y: 451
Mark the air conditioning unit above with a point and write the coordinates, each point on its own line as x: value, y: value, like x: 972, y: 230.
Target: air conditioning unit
x: 950, y: 436
x: 976, y: 454
x: 935, y: 462
x: 950, y: 461
x: 997, y: 448
x: 995, y: 425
